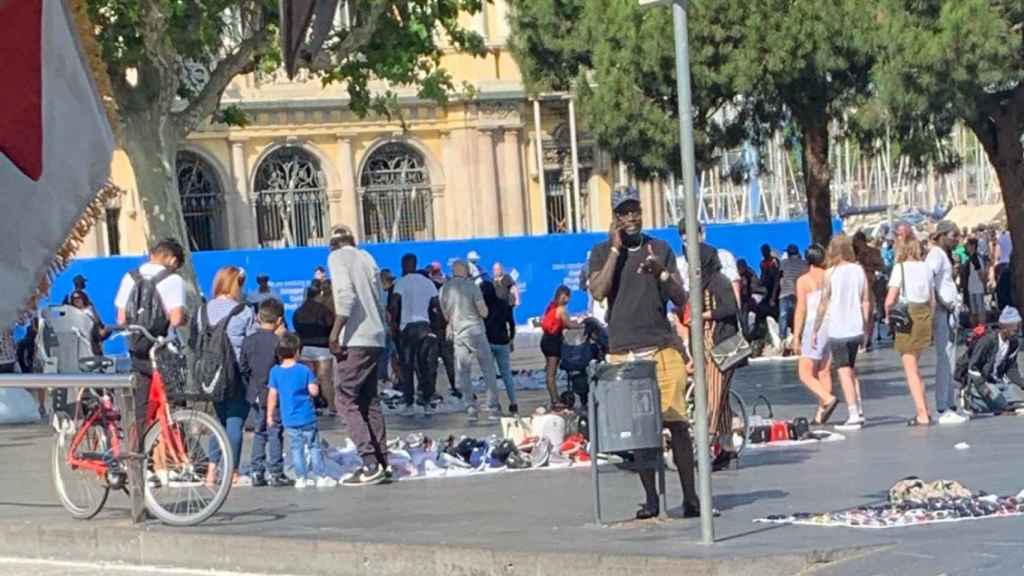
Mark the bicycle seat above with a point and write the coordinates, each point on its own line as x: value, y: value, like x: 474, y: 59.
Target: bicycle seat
x: 95, y: 363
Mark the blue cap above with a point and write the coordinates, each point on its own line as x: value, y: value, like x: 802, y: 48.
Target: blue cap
x: 623, y: 194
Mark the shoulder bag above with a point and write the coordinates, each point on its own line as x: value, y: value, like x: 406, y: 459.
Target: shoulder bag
x: 899, y: 316
x: 731, y: 352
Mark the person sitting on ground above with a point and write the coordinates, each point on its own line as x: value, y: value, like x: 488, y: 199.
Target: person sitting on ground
x: 995, y: 361
x: 259, y: 356
x: 463, y: 305
x: 554, y: 323
x: 293, y: 386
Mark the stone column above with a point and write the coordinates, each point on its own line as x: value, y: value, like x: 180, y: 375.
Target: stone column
x: 344, y: 202
x: 441, y: 201
x: 512, y: 190
x: 240, y: 203
x: 489, y: 221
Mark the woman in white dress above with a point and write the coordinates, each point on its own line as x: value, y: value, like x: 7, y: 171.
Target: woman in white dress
x: 815, y: 365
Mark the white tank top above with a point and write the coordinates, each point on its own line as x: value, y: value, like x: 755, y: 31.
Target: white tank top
x: 845, y: 319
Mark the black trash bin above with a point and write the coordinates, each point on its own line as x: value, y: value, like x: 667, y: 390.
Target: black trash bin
x: 625, y: 415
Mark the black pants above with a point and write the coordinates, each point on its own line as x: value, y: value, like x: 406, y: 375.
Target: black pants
x: 419, y: 359
x: 144, y: 370
x: 447, y: 353
x: 355, y: 381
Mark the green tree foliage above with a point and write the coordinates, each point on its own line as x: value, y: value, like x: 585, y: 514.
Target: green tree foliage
x: 170, y: 61
x: 756, y: 67
x: 949, y: 61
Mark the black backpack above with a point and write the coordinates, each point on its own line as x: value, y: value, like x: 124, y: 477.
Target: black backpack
x: 146, y: 308
x: 214, y: 365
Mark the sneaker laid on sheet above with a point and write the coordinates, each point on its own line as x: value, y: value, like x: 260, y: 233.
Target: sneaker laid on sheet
x: 950, y: 417
x: 365, y: 476
x: 303, y: 483
x: 326, y: 482
x: 852, y: 423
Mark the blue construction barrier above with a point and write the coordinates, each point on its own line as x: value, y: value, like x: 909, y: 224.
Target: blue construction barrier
x: 539, y: 263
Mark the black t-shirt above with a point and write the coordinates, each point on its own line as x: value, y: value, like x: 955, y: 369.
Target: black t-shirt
x: 637, y: 312
x: 313, y: 322
x: 503, y: 287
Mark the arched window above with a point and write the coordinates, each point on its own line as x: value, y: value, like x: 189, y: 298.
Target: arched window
x: 397, y: 201
x: 291, y: 203
x: 202, y: 201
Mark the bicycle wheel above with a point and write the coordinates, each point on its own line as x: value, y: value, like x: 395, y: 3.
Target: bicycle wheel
x: 82, y: 492
x: 177, y: 462
x: 740, y: 421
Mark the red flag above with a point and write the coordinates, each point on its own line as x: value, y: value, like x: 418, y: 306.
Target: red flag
x: 21, y: 112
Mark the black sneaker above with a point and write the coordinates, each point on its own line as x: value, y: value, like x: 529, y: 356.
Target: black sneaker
x: 513, y: 409
x: 258, y: 479
x: 279, y: 481
x: 365, y: 477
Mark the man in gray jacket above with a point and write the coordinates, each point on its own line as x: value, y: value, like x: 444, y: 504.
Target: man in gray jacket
x: 357, y: 343
x: 463, y: 306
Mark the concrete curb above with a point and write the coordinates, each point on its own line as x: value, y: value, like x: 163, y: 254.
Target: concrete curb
x: 321, y: 556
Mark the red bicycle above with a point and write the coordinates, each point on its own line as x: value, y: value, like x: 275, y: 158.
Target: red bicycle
x: 179, y: 448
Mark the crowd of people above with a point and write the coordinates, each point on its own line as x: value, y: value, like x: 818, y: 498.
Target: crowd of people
x: 360, y: 327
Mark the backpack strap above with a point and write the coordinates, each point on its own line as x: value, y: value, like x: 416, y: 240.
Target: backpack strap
x: 161, y: 276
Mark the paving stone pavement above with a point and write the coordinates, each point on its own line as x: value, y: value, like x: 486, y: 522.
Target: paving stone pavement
x: 540, y: 513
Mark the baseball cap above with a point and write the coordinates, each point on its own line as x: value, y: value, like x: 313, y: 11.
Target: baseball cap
x: 943, y: 228
x: 472, y: 256
x: 623, y: 194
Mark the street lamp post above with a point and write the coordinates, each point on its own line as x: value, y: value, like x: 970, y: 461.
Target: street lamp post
x: 679, y: 26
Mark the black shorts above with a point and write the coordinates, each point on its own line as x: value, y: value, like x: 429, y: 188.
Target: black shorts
x: 551, y: 345
x: 844, y: 351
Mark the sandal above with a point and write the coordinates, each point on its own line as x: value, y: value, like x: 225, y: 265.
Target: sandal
x: 915, y: 422
x: 827, y: 411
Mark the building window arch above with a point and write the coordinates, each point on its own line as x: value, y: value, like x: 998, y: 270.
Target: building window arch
x: 291, y: 199
x: 397, y: 200
x: 202, y: 200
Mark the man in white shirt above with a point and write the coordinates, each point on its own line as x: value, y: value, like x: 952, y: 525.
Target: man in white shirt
x: 947, y: 301
x: 165, y: 257
x: 414, y: 299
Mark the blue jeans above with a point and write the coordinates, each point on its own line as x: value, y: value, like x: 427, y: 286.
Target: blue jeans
x: 503, y: 356
x: 232, y: 414
x: 299, y: 441
x: 787, y: 308
x: 267, y: 443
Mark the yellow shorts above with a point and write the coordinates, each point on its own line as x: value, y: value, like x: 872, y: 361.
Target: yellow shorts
x: 671, y: 374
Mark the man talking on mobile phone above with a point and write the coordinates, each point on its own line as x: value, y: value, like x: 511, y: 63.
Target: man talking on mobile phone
x: 637, y: 275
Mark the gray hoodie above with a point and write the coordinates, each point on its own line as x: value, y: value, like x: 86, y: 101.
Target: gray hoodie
x: 356, y: 282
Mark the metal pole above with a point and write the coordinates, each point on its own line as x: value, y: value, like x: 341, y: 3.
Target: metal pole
x: 679, y: 24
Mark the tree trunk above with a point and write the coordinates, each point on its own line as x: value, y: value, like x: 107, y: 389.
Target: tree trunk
x: 152, y: 148
x: 817, y: 175
x: 1001, y: 138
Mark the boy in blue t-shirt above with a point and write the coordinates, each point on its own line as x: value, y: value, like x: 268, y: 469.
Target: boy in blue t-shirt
x: 294, y: 386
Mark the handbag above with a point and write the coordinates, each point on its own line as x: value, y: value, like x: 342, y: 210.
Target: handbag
x: 730, y: 352
x: 761, y: 427
x: 516, y: 429
x: 899, y: 315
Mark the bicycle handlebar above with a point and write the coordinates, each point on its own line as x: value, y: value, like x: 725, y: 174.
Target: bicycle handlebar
x: 139, y: 330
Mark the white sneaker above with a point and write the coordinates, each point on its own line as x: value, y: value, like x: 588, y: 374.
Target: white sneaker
x: 326, y: 482
x: 301, y: 483
x: 852, y: 423
x: 950, y: 418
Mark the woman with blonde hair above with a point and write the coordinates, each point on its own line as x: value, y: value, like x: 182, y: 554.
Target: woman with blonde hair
x: 911, y: 284
x: 846, y: 303
x: 228, y: 305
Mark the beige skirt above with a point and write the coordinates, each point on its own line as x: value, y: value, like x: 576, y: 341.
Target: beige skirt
x: 920, y: 336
